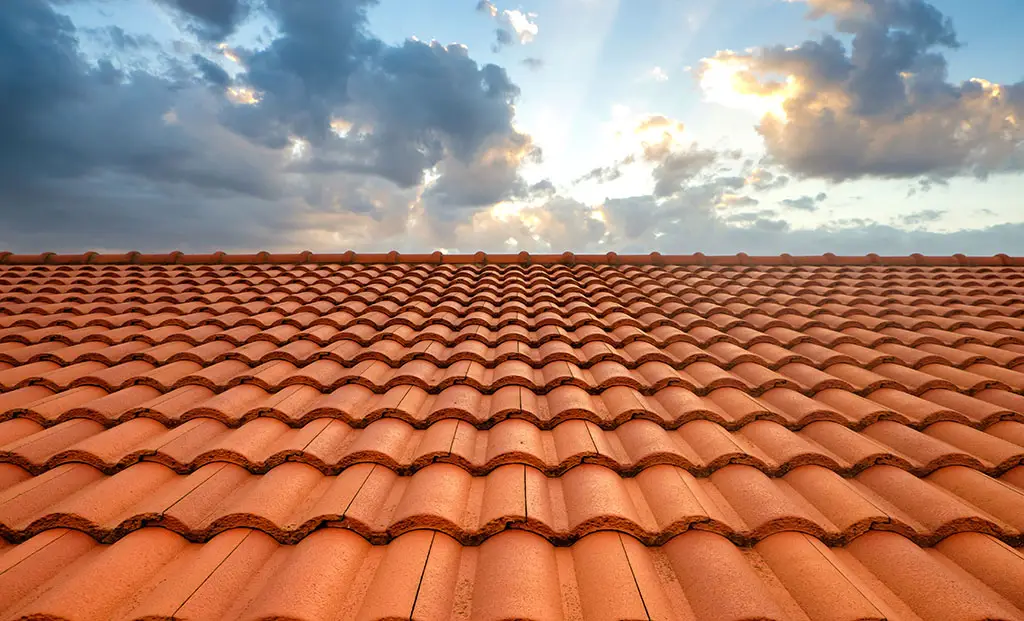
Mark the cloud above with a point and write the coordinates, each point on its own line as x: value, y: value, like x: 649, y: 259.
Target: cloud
x: 211, y: 72
x: 521, y: 24
x: 409, y: 106
x: 602, y: 174
x: 483, y: 181
x: 804, y: 203
x: 605, y: 174
x: 736, y: 200
x: 325, y: 137
x: 658, y: 141
x: 104, y: 155
x: 674, y: 164
x: 534, y: 64
x: 658, y: 74
x: 123, y: 41
x: 212, y: 20
x: 514, y: 26
x: 502, y: 38
x: 543, y: 187
x: 692, y: 220
x: 689, y: 221
x: 884, y: 108
x: 487, y: 7
x: 752, y: 217
x: 678, y: 167
x: 659, y: 122
x: 64, y: 118
x: 762, y: 179
x: 919, y: 218
x: 925, y: 184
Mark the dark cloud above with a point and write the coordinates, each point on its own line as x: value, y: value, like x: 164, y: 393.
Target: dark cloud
x: 430, y: 96
x: 212, y: 20
x: 64, y: 118
x: 210, y: 71
x: 604, y: 174
x: 884, y: 108
x: 678, y: 167
x: 804, y: 203
x: 926, y: 184
x: 650, y: 217
x: 762, y: 180
x: 411, y: 105
x: 303, y: 74
x: 543, y: 186
x: 502, y: 38
x: 534, y: 64
x: 480, y: 182
x: 918, y: 218
x: 101, y: 154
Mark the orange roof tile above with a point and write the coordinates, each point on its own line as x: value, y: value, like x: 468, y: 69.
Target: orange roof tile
x: 511, y: 436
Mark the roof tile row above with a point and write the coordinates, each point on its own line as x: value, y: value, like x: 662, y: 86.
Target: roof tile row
x: 349, y: 352
x: 702, y: 336
x: 552, y: 305
x: 358, y: 405
x: 292, y: 500
x: 700, y: 447
x: 700, y: 377
x: 334, y: 574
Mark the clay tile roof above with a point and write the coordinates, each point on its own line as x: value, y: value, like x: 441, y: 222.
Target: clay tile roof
x: 353, y: 436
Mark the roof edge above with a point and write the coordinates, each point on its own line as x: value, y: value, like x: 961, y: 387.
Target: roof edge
x: 482, y: 258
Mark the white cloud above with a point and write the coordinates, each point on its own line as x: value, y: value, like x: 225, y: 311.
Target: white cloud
x: 658, y: 74
x: 514, y: 25
x: 521, y: 24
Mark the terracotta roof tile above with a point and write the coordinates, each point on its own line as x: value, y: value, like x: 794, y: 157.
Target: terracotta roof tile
x: 511, y: 436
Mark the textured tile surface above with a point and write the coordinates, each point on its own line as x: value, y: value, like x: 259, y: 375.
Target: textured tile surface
x: 584, y: 438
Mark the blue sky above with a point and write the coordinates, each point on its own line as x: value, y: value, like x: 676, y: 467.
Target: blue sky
x: 759, y: 126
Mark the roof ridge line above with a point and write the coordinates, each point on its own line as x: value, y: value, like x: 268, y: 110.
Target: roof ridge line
x: 481, y: 258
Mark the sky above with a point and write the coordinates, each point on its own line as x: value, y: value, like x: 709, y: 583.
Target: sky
x: 679, y: 126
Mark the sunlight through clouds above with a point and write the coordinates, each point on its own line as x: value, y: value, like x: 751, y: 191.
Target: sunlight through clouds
x: 880, y: 105
x: 341, y: 127
x: 728, y: 81
x: 228, y: 53
x: 299, y: 147
x: 242, y: 95
x: 634, y: 133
